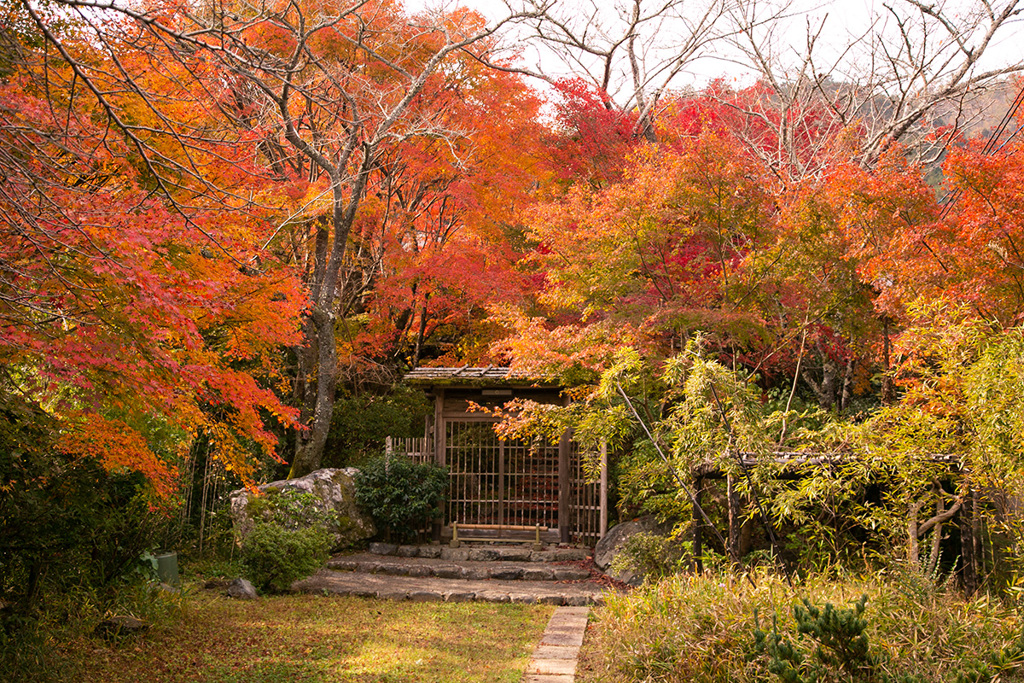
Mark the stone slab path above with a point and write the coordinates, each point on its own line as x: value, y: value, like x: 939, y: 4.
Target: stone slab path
x: 434, y: 589
x: 554, y: 660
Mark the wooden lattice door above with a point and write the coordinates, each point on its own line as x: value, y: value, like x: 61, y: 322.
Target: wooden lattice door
x: 493, y: 481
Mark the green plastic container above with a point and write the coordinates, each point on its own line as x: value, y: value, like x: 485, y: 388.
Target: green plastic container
x: 167, y: 567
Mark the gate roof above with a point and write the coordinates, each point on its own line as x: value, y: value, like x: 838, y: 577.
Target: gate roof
x: 465, y: 376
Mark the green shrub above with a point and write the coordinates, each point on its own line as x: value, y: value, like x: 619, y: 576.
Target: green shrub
x: 274, y: 557
x: 832, y: 644
x: 291, y: 538
x: 402, y: 496
x: 360, y: 424
x: 65, y: 522
x: 652, y: 556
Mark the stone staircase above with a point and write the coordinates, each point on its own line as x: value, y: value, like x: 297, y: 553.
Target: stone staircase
x: 558, y: 576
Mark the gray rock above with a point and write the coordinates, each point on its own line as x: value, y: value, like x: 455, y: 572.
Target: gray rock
x: 425, y: 596
x: 459, y: 596
x: 343, y: 565
x: 579, y: 600
x: 393, y: 595
x: 560, y: 555
x: 431, y: 551
x: 538, y: 574
x: 483, y: 555
x: 506, y: 572
x: 455, y: 554
x: 242, y: 590
x: 571, y: 574
x: 115, y: 627
x: 335, y: 491
x: 474, y: 573
x: 383, y: 548
x: 514, y: 554
x: 407, y: 551
x: 448, y: 571
x: 608, y: 546
x: 419, y: 570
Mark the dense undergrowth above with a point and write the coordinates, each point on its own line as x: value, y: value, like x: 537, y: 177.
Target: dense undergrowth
x: 705, y: 628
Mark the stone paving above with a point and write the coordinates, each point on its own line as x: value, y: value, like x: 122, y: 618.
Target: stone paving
x: 434, y: 573
x: 554, y: 660
x: 369, y: 563
x: 434, y: 589
x: 437, y: 573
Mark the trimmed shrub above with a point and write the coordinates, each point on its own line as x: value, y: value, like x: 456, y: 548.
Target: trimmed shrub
x: 402, y: 496
x: 274, y: 557
x: 290, y: 540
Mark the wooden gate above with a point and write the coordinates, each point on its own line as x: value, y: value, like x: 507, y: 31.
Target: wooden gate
x: 493, y: 481
x: 512, y: 483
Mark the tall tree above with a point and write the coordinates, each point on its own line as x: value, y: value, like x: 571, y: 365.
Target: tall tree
x: 325, y: 84
x: 116, y: 311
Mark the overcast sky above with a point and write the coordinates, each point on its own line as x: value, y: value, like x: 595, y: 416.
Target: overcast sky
x: 843, y: 23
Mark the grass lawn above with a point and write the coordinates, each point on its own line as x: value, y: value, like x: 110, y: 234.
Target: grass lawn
x: 317, y: 638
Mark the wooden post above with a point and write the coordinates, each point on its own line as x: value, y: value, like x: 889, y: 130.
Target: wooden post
x: 440, y: 457
x: 735, y: 518
x: 564, y: 487
x: 501, y: 483
x: 603, y: 495
x: 698, y: 524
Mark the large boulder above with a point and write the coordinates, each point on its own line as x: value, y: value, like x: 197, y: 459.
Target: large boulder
x: 617, y: 536
x: 335, y: 492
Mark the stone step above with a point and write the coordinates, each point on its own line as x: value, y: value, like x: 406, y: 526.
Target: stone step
x: 419, y: 589
x: 484, y: 553
x: 367, y: 563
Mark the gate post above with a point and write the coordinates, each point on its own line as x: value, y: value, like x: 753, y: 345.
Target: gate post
x: 602, y: 530
x: 564, y: 487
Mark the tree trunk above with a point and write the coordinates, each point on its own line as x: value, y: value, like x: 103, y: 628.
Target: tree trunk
x: 309, y: 454
x: 933, y: 558
x: 913, y: 551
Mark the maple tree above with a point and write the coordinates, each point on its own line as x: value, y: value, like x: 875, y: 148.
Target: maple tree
x: 321, y: 91
x: 437, y: 244
x: 117, y: 312
x: 659, y: 255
